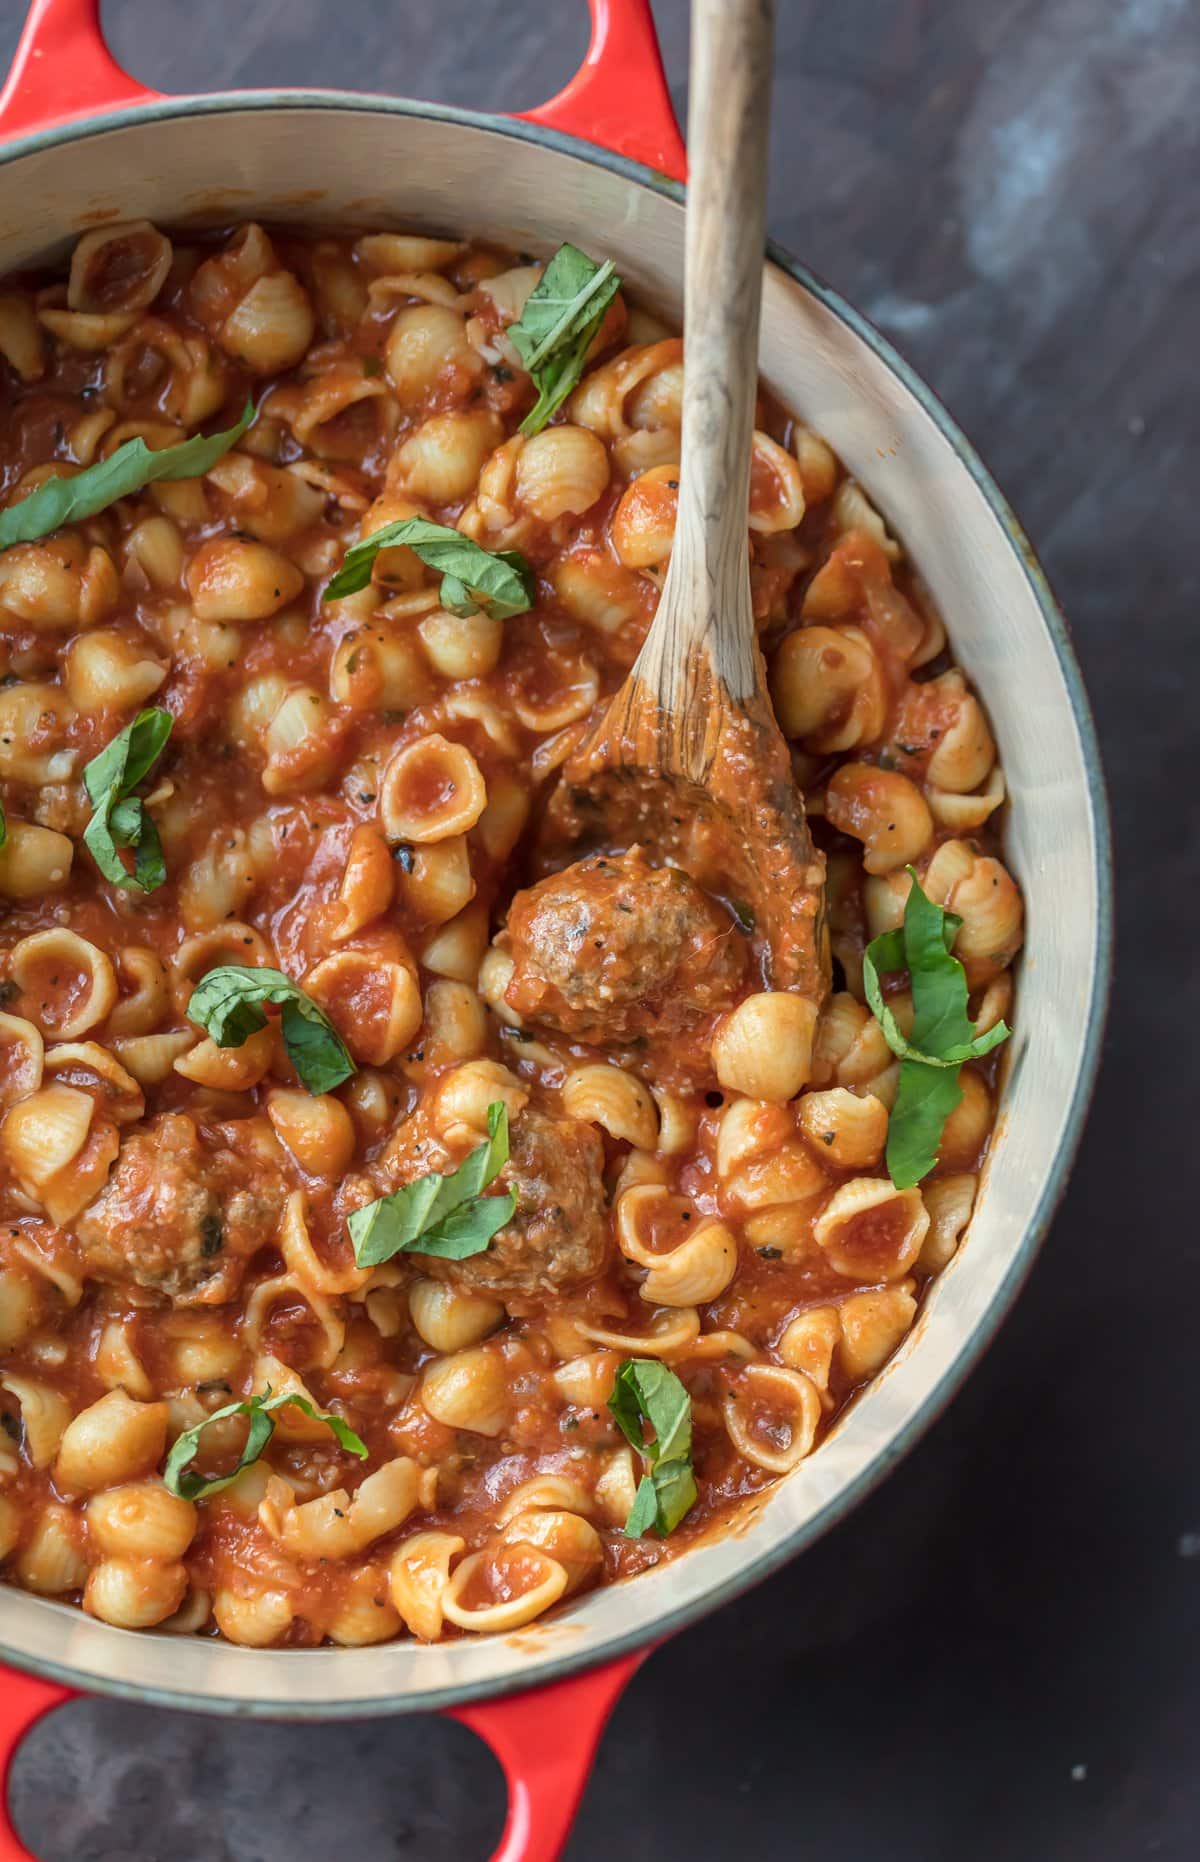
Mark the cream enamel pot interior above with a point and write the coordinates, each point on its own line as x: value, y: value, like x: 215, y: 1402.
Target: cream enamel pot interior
x: 340, y: 159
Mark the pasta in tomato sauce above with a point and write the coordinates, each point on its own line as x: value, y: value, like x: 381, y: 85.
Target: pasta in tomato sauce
x: 397, y: 1235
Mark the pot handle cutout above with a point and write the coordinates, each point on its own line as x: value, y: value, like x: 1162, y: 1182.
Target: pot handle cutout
x: 23, y: 1701
x: 618, y: 98
x: 545, y: 1740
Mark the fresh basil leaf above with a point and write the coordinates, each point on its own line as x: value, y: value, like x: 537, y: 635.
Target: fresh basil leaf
x: 227, y: 1004
x: 939, y: 989
x: 149, y: 865
x: 130, y: 757
x: 445, y: 1216
x: 124, y: 818
x: 503, y: 603
x: 663, y: 1498
x: 314, y: 1046
x: 59, y: 501
x: 644, y: 1512
x: 343, y: 1433
x: 455, y: 597
x: 675, y: 1491
x: 561, y: 316
x: 119, y: 818
x: 128, y: 825
x: 500, y: 582
x: 925, y: 1098
x: 943, y: 1036
x: 645, y: 1390
x: 469, y: 1230
x: 181, y: 1480
x: 566, y: 298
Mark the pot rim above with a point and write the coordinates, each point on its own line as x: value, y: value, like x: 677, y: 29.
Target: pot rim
x: 788, y: 1546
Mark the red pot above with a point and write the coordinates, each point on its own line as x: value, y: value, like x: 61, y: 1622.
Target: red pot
x: 80, y: 140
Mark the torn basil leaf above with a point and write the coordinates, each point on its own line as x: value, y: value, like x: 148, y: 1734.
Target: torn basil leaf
x: 183, y: 1481
x: 228, y: 1005
x: 59, y: 501
x: 943, y: 1036
x: 500, y: 582
x: 644, y: 1512
x: 553, y: 333
x: 673, y: 1486
x: 119, y: 818
x: 645, y: 1391
x: 445, y: 1216
x: 455, y: 597
x: 925, y: 1098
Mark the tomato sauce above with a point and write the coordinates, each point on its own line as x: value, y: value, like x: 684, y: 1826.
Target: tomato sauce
x: 173, y: 1279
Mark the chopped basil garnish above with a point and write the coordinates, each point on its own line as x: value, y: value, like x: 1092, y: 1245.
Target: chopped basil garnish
x: 645, y: 1391
x: 562, y: 314
x: 59, y: 501
x: 644, y: 1512
x: 498, y: 581
x: 446, y: 1216
x: 663, y: 1498
x: 227, y: 1004
x: 180, y: 1480
x: 119, y: 818
x: 743, y: 916
x: 943, y: 1035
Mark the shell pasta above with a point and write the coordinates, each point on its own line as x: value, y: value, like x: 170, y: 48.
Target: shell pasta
x: 405, y: 1229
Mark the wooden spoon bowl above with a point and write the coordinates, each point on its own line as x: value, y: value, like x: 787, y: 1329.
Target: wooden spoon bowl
x: 688, y: 760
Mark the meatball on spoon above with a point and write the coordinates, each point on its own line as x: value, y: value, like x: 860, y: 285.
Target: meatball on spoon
x: 688, y: 761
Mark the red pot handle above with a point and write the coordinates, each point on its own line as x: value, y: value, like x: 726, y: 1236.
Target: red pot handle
x: 545, y: 1740
x: 618, y: 97
x: 23, y: 1701
x: 63, y: 69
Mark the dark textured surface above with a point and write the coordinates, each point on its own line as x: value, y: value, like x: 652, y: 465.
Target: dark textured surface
x: 995, y: 1658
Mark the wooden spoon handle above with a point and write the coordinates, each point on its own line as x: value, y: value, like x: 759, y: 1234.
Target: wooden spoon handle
x: 707, y: 591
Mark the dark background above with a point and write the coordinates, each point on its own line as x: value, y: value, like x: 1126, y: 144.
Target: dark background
x: 996, y: 1656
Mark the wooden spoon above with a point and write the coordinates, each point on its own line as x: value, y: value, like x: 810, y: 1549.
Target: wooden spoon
x: 688, y: 759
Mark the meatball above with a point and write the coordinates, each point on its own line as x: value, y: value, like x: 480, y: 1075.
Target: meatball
x: 181, y: 1213
x: 558, y: 1237
x: 613, y: 950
